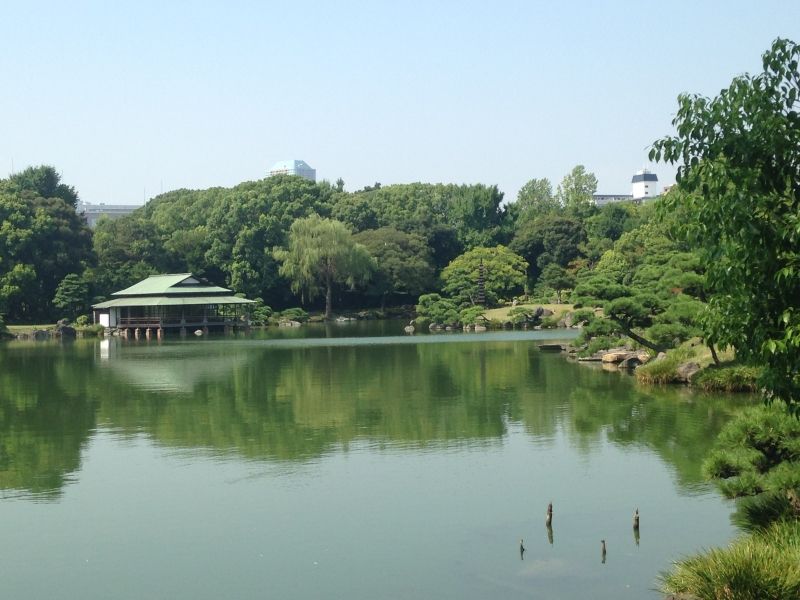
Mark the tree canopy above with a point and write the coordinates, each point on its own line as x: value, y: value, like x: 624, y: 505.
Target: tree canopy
x: 738, y: 157
x: 322, y: 253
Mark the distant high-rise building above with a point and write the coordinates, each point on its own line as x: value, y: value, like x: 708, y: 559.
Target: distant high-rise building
x: 644, y: 185
x: 293, y: 167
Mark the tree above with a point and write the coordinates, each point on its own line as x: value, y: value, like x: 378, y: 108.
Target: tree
x: 504, y: 275
x: 557, y: 278
x: 549, y: 239
x: 738, y: 157
x: 403, y: 262
x: 72, y: 295
x: 42, y: 239
x: 322, y: 253
x: 45, y: 182
x: 534, y: 199
x: 575, y: 192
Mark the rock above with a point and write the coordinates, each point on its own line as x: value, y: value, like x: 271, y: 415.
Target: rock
x: 551, y: 347
x: 686, y: 371
x: 660, y: 356
x: 480, y: 328
x: 615, y: 355
x: 545, y: 312
x: 40, y: 335
x: 569, y: 319
x: 630, y: 362
x: 65, y: 332
x: 561, y: 323
x: 62, y: 322
x: 198, y: 332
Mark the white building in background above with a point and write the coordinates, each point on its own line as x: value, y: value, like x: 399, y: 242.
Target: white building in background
x: 293, y: 167
x: 645, y: 185
x: 93, y: 212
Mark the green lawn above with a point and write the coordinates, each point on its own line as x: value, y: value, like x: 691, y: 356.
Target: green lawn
x: 501, y: 314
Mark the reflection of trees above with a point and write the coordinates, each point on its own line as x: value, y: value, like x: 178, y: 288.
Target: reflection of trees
x: 45, y: 417
x: 299, y: 401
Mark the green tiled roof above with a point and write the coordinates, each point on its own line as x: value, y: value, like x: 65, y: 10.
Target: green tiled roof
x: 171, y: 301
x: 171, y: 284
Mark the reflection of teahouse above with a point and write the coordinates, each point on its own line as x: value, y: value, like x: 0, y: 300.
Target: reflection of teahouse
x: 176, y: 302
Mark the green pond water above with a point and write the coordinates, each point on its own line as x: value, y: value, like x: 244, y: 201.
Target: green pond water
x: 345, y: 461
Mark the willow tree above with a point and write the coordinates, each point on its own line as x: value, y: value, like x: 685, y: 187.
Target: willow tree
x: 321, y: 254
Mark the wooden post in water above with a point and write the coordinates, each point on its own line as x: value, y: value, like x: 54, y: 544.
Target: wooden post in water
x: 136, y: 333
x: 148, y: 333
x: 160, y: 334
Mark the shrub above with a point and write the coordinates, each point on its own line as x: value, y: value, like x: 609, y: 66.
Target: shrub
x: 293, y: 314
x: 666, y: 369
x: 756, y: 567
x: 472, y: 315
x: 599, y: 343
x: 82, y: 321
x: 756, y: 452
x: 734, y: 378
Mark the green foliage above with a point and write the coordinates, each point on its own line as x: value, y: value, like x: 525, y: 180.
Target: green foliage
x: 72, y: 296
x: 322, y: 253
x: 261, y: 313
x: 504, y: 275
x: 738, y: 155
x: 729, y: 378
x: 438, y: 310
x: 293, y: 314
x: 523, y: 314
x: 598, y: 343
x: 575, y: 193
x: 664, y: 370
x: 404, y: 261
x: 557, y: 278
x: 42, y: 239
x: 472, y: 315
x: 758, y: 567
x: 759, y: 451
x: 44, y: 182
x: 534, y: 199
x: 549, y: 239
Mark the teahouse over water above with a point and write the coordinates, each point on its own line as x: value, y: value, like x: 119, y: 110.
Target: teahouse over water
x: 177, y: 302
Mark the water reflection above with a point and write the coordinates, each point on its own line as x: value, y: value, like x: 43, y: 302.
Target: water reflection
x: 296, y: 400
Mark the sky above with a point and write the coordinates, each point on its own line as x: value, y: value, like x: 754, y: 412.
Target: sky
x: 129, y: 99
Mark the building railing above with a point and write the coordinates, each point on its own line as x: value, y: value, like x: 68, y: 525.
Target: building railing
x: 188, y: 321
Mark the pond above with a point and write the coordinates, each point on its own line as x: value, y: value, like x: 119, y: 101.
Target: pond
x: 346, y: 461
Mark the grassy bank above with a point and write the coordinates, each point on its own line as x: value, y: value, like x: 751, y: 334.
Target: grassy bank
x: 762, y: 566
x: 501, y: 314
x: 729, y: 376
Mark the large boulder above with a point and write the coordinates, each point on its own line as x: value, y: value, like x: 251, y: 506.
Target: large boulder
x: 65, y: 332
x: 686, y: 371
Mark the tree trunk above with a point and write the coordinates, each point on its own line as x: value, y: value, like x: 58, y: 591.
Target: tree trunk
x: 637, y: 338
x: 713, y: 354
x: 328, y: 298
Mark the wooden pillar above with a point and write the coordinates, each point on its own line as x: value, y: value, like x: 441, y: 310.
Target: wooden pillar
x: 137, y: 333
x: 160, y: 334
x: 148, y: 333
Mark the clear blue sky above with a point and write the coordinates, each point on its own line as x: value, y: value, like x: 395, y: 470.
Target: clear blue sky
x: 126, y: 99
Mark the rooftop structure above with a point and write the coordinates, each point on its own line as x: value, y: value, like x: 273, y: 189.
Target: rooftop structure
x: 93, y: 212
x: 293, y: 167
x: 175, y: 301
x: 644, y: 184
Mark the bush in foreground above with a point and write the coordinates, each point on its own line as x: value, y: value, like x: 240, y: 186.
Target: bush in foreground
x: 762, y: 566
x: 734, y: 378
x: 666, y: 369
